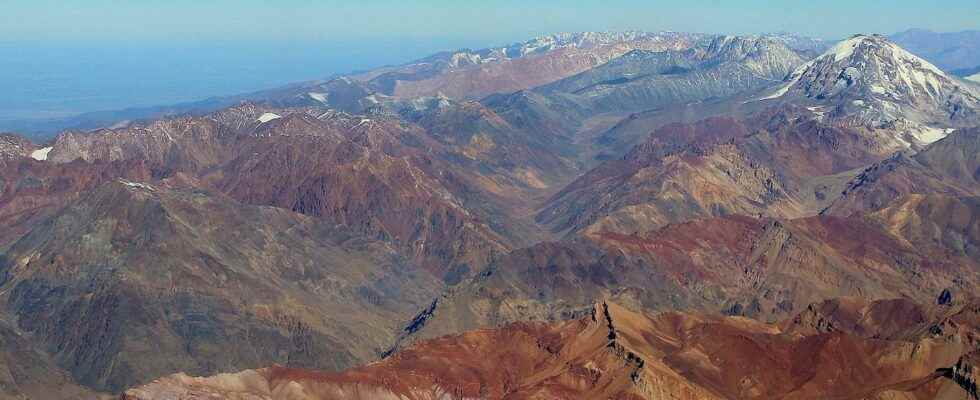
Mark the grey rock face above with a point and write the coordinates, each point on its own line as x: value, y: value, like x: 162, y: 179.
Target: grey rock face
x: 721, y: 67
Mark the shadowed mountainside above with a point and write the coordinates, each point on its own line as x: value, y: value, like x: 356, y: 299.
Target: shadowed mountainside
x: 132, y: 281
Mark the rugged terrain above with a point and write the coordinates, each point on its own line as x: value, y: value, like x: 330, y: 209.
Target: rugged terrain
x: 446, y: 227
x: 864, y: 101
x: 614, y: 353
x: 132, y: 280
x: 376, y: 176
x: 643, y: 79
x: 767, y: 269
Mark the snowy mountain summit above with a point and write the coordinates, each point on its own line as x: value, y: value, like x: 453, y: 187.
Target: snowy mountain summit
x: 868, y: 80
x: 565, y: 40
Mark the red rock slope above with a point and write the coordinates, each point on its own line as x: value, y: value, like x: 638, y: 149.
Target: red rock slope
x: 616, y: 354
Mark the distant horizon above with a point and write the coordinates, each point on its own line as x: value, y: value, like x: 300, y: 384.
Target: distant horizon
x: 244, y: 66
x: 305, y: 20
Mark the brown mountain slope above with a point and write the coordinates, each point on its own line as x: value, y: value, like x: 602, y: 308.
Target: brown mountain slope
x: 486, y: 140
x: 614, y: 353
x: 376, y: 175
x: 503, y: 73
x: 369, y: 183
x: 136, y: 280
x: 846, y: 112
x: 767, y: 269
x: 27, y: 373
x: 467, y: 74
x: 954, y: 318
x: 949, y: 166
x: 31, y: 190
x: 782, y: 162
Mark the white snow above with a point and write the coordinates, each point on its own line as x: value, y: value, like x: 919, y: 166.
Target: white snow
x: 794, y: 79
x: 916, y: 73
x: 928, y: 134
x: 974, y: 77
x: 268, y: 117
x: 41, y: 154
x: 321, y: 97
x: 922, y: 73
x: 909, y: 57
x: 779, y: 92
x: 461, y: 59
x: 136, y: 184
x: 846, y: 48
x: 919, y: 76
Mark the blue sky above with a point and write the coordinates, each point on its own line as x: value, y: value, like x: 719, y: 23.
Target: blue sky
x: 461, y: 20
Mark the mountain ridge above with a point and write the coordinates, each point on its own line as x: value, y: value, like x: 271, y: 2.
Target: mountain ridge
x: 613, y: 352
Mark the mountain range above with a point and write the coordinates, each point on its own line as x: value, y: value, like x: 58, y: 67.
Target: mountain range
x: 597, y: 215
x: 472, y: 73
x: 950, y: 51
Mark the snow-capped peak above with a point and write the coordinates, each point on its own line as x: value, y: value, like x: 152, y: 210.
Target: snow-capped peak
x: 580, y: 40
x: 847, y: 49
x: 868, y: 60
x: 871, y: 80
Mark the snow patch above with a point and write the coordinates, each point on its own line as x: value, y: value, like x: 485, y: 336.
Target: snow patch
x: 974, y: 77
x: 904, y: 55
x: 321, y: 97
x: 779, y: 92
x: 794, y: 78
x: 463, y: 59
x: 268, y: 117
x: 136, y: 184
x: 846, y: 48
x: 41, y: 154
x: 928, y: 134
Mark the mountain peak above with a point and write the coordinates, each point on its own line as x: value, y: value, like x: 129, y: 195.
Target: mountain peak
x: 565, y: 40
x: 739, y: 47
x: 863, y: 46
x: 869, y: 80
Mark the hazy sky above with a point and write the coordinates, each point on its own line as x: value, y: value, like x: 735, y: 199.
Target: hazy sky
x: 461, y: 20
